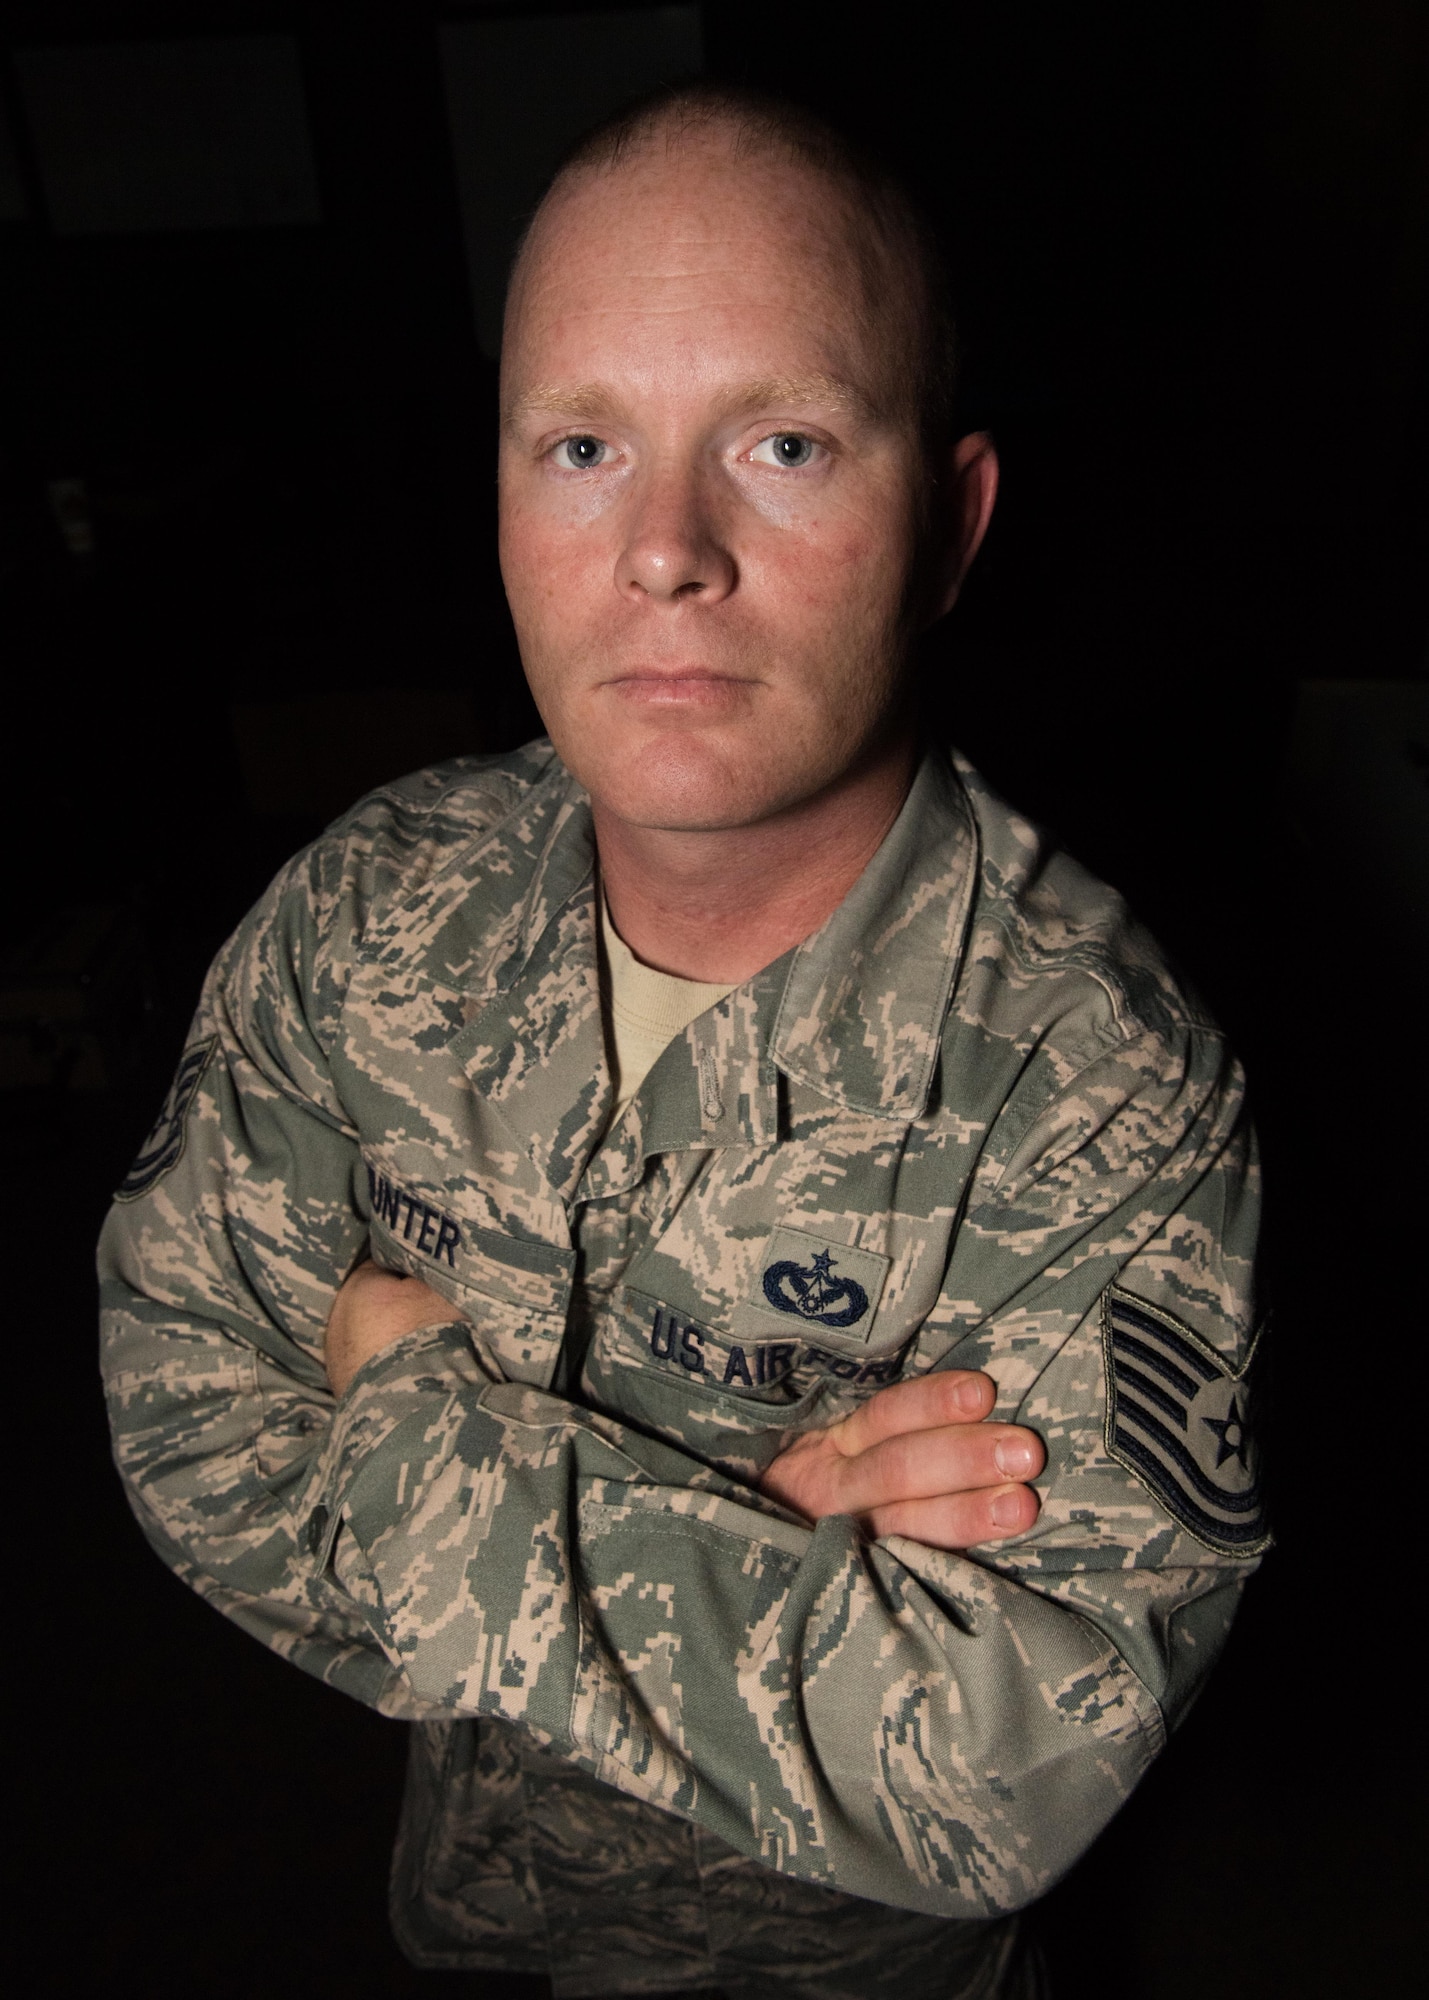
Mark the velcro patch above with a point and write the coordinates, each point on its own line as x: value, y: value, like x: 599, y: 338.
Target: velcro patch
x: 1178, y: 1416
x: 164, y: 1146
x: 825, y: 1286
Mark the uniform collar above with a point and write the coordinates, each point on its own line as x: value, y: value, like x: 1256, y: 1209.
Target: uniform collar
x: 472, y: 927
x: 713, y: 1086
x: 861, y: 1018
x: 533, y: 1042
x: 858, y: 1016
x: 855, y: 1013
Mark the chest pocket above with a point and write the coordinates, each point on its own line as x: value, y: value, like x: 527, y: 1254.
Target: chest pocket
x: 731, y: 1404
x: 514, y: 1292
x: 727, y: 1340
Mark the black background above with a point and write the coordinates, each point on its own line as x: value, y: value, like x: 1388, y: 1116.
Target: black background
x: 1190, y: 242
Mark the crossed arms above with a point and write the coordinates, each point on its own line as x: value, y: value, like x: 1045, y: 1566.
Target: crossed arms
x: 784, y: 1662
x: 917, y: 1459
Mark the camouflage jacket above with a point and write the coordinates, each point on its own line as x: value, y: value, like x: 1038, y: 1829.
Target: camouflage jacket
x: 970, y: 1122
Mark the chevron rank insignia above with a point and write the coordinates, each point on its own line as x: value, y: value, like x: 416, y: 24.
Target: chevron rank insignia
x: 165, y: 1144
x: 1179, y: 1418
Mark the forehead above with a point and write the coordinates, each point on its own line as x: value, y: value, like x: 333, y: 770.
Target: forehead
x: 696, y: 258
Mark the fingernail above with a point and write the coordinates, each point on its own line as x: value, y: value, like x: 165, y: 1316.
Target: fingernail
x: 1006, y: 1510
x: 1013, y: 1457
x: 969, y: 1395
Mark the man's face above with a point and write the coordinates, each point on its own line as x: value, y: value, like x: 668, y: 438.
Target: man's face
x: 710, y: 496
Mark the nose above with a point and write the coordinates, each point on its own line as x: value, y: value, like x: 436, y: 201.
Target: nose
x: 674, y: 550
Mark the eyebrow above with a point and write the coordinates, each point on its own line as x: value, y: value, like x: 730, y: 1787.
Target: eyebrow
x: 825, y: 389
x: 587, y: 400
x: 591, y: 401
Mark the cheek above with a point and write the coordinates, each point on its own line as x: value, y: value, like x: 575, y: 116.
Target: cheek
x: 847, y: 574
x: 547, y: 566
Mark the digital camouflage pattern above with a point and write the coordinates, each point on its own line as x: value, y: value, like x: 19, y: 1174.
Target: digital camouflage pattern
x: 670, y: 1734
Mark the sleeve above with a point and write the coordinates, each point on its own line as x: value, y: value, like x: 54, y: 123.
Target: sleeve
x: 218, y: 1265
x: 1105, y: 1278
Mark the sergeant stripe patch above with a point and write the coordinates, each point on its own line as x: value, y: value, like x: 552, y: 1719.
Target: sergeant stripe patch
x: 1179, y: 1418
x: 164, y: 1146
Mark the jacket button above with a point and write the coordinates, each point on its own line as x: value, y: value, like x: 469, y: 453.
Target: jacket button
x: 317, y: 1529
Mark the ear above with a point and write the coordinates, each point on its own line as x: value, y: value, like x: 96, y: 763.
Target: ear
x: 964, y: 495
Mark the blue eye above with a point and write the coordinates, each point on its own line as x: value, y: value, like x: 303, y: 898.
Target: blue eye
x: 786, y: 448
x: 580, y: 453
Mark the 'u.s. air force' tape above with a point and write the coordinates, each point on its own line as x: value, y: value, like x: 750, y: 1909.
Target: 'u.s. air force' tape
x: 1179, y: 1417
x: 164, y: 1146
x: 684, y: 1345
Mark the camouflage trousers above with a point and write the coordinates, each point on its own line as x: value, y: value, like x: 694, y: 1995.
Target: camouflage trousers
x: 508, y: 1859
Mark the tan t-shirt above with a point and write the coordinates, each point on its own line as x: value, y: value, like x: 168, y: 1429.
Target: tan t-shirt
x: 646, y: 1010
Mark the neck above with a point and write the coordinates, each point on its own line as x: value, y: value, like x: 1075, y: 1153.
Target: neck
x: 717, y: 906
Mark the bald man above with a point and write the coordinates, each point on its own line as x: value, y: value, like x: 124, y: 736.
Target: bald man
x: 700, y: 1262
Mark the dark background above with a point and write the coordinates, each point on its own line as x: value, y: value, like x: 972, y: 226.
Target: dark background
x: 1191, y: 249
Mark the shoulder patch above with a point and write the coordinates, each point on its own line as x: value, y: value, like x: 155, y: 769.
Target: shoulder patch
x: 1179, y: 1417
x: 163, y: 1148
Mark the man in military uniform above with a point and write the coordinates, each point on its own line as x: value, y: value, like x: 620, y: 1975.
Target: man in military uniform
x: 635, y: 1215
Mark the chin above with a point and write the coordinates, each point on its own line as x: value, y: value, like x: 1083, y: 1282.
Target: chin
x: 682, y: 785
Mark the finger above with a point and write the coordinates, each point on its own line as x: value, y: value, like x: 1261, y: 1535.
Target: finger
x: 928, y: 1402
x: 958, y: 1520
x: 920, y: 1465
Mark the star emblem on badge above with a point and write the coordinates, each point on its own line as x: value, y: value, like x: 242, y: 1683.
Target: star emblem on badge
x: 1226, y: 1445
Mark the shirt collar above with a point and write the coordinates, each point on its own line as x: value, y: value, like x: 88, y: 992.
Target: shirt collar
x: 713, y: 1086
x: 858, y: 1016
x: 856, y: 1012
x: 861, y: 1018
x: 473, y: 926
x: 533, y: 1042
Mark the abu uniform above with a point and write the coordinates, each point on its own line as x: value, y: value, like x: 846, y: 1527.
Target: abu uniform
x: 670, y: 1735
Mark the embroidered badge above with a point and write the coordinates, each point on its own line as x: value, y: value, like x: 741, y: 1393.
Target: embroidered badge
x: 827, y: 1285
x: 813, y: 1292
x: 1178, y: 1417
x: 164, y: 1146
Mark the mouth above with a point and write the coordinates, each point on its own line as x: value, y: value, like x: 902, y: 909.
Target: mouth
x: 675, y: 686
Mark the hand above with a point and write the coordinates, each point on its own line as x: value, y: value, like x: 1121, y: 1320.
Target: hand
x: 373, y: 1308
x: 916, y: 1459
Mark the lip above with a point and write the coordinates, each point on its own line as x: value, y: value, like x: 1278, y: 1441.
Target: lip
x: 676, y: 684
